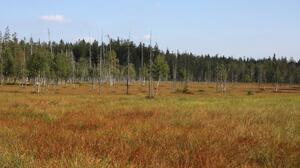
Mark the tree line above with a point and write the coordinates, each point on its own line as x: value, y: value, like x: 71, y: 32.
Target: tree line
x: 25, y: 61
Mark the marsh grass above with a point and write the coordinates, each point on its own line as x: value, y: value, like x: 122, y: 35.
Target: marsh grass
x: 78, y: 128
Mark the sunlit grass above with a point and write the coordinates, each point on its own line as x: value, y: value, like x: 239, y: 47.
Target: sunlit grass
x: 75, y: 127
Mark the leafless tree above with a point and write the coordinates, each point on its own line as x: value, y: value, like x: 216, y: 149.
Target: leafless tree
x: 1, y: 61
x: 110, y: 66
x: 128, y: 57
x: 175, y: 72
x: 150, y: 69
x: 24, y: 64
x: 100, y: 63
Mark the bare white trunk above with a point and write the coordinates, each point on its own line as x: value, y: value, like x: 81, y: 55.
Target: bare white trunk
x: 157, y: 85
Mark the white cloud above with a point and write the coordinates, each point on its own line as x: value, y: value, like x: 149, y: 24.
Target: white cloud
x: 147, y: 37
x: 53, y: 18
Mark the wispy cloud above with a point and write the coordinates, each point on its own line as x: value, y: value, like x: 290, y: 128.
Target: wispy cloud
x: 53, y: 18
x: 147, y: 37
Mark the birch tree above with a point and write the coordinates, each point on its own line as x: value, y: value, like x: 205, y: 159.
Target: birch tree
x: 160, y: 70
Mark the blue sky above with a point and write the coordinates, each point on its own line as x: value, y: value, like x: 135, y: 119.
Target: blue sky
x: 251, y: 28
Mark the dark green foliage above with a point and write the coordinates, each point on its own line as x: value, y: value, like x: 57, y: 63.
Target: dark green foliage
x: 38, y: 64
x: 8, y: 63
x: 160, y: 68
x: 62, y: 66
x: 72, y: 60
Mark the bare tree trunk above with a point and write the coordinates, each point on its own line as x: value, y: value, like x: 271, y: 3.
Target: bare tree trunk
x: 110, y: 65
x: 1, y: 64
x: 157, y: 85
x: 185, y: 89
x: 93, y: 78
x: 127, y: 79
x: 150, y: 71
x: 37, y: 84
x: 174, y: 74
x: 142, y: 64
x: 224, y: 86
x: 24, y: 66
x: 217, y: 86
x: 38, y: 89
x: 100, y: 64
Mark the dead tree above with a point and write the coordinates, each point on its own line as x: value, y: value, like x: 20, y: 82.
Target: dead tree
x: 186, y: 87
x: 73, y: 68
x: 128, y: 56
x: 110, y: 63
x: 24, y: 64
x: 100, y: 64
x: 91, y: 66
x: 50, y: 43
x: 150, y: 96
x: 175, y: 72
x: 141, y: 76
x: 31, y: 42
x: 1, y: 61
x: 142, y: 62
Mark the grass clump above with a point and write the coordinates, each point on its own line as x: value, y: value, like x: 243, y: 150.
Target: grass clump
x: 250, y: 93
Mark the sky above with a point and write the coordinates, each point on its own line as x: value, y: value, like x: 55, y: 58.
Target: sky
x: 237, y: 28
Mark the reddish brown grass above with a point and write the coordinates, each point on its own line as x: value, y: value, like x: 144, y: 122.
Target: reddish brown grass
x: 75, y: 127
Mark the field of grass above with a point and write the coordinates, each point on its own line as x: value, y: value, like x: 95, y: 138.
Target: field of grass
x: 72, y: 126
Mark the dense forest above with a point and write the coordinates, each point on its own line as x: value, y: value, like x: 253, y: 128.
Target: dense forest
x: 25, y: 61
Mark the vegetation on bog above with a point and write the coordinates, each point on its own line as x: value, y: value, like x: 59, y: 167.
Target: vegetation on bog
x: 72, y: 126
